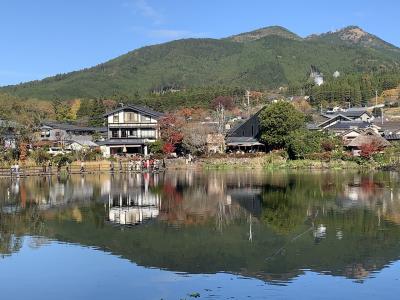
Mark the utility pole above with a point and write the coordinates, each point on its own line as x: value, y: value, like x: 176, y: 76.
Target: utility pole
x: 248, y: 101
x: 376, y: 98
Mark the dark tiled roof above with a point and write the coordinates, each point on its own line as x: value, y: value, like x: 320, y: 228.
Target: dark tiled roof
x: 253, y: 118
x: 71, y: 127
x: 138, y: 108
x: 351, y: 112
x: 343, y: 125
x: 241, y: 139
x: 392, y: 137
x: 387, y: 125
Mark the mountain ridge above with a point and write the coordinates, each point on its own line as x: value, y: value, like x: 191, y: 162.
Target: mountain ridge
x: 265, y: 58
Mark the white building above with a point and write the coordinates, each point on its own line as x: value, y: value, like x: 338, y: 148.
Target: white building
x: 130, y: 129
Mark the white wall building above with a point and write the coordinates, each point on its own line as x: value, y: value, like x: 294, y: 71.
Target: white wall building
x: 130, y: 129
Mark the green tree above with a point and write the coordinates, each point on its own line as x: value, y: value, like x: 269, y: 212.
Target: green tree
x: 96, y: 113
x: 278, y: 121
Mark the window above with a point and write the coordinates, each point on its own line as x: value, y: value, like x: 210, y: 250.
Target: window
x: 148, y: 133
x: 114, y: 133
x: 44, y: 134
x: 116, y: 118
x: 131, y: 117
x: 123, y: 133
x: 145, y: 119
x: 133, y: 133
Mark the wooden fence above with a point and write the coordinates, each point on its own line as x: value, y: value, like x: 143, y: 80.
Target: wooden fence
x: 87, y: 168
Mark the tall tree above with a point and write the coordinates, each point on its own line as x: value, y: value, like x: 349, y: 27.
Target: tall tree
x: 96, y: 114
x: 277, y: 122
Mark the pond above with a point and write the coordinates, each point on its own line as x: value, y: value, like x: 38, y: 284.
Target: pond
x: 205, y: 235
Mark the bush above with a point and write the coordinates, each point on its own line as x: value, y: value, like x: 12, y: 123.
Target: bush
x: 61, y: 160
x: 156, y: 147
x: 303, y: 142
x: 40, y: 156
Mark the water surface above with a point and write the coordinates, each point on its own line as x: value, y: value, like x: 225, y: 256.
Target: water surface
x: 217, y: 235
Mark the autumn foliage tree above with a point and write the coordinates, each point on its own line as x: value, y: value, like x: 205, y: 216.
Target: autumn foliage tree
x: 171, y: 132
x: 225, y: 101
x: 368, y: 149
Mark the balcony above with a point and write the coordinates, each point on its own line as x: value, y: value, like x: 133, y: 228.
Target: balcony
x: 132, y: 125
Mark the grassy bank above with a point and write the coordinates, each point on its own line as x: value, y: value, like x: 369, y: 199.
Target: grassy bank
x: 272, y: 162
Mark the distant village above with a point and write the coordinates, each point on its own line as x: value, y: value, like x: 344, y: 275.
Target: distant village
x: 134, y: 131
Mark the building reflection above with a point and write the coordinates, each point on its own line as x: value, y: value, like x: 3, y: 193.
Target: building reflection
x: 126, y: 208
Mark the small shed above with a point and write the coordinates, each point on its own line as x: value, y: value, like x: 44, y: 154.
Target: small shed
x: 368, y: 137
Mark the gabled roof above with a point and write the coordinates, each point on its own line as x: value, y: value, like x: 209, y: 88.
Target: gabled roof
x: 335, y: 117
x: 353, y: 112
x: 141, y: 109
x: 243, y: 123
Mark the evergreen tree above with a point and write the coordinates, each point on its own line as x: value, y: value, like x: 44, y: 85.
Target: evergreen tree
x: 96, y: 114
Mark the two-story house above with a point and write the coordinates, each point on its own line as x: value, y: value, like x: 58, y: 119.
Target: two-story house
x: 130, y: 129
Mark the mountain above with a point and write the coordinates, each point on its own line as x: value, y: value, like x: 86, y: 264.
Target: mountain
x: 265, y: 58
x: 263, y: 32
x: 354, y: 35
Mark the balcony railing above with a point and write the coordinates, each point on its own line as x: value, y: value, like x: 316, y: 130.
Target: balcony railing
x: 132, y: 125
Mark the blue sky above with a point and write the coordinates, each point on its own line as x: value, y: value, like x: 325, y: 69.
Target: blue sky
x: 45, y: 37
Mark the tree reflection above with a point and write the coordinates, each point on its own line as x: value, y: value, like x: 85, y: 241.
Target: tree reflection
x: 267, y: 225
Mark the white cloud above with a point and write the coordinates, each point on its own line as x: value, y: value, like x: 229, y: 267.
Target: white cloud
x: 143, y: 8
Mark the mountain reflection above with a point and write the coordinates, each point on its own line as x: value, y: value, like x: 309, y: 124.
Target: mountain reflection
x: 267, y: 225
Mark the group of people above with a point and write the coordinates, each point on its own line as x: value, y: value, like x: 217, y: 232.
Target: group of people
x: 139, y: 165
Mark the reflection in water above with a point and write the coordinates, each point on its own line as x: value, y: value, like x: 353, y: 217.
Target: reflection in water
x: 132, y: 203
x: 270, y: 226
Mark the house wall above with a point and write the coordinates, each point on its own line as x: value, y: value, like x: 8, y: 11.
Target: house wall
x: 364, y: 117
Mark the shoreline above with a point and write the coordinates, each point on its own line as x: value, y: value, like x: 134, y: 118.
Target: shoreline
x: 264, y: 162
